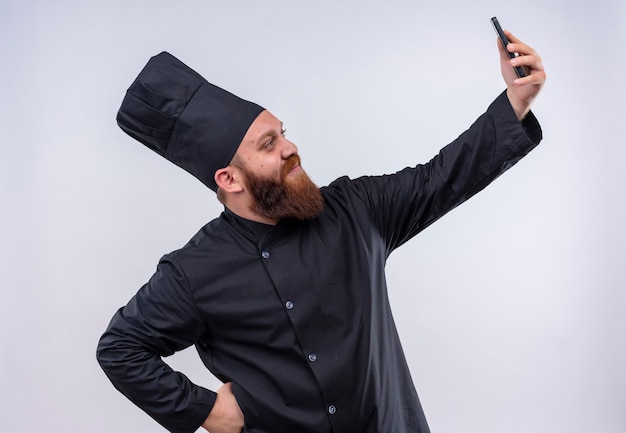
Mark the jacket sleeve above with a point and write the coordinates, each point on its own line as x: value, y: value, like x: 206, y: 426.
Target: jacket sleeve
x: 158, y: 321
x: 405, y: 203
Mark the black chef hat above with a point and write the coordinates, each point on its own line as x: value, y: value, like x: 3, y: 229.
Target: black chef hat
x: 175, y: 112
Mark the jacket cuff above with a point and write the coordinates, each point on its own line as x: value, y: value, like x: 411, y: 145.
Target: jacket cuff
x: 530, y: 124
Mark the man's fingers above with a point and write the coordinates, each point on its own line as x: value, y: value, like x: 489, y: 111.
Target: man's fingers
x: 531, y: 61
x: 528, y: 59
x: 512, y: 38
x: 517, y: 46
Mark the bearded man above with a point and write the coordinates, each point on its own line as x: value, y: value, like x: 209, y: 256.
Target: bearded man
x: 284, y: 294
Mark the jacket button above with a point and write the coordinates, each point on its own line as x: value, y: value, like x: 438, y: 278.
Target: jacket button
x: 289, y: 305
x: 332, y: 409
x: 265, y: 254
x: 312, y: 357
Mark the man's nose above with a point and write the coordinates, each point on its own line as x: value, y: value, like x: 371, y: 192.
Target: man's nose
x: 288, y: 148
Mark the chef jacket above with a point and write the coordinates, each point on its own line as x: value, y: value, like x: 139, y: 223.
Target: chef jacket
x: 297, y: 315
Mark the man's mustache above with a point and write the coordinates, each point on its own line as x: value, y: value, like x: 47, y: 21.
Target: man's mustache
x: 290, y: 163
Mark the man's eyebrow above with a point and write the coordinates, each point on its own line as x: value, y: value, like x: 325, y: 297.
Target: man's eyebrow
x: 269, y: 133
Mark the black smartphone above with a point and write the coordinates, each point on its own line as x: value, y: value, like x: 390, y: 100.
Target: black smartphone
x: 496, y: 25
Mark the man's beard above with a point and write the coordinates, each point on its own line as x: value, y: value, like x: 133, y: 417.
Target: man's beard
x: 273, y: 198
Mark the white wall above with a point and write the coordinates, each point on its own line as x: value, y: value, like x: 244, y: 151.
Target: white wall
x: 510, y: 307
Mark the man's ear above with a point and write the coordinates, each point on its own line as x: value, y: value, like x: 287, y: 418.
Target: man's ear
x: 227, y: 179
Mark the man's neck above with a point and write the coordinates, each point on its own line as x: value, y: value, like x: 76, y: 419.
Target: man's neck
x: 244, y: 211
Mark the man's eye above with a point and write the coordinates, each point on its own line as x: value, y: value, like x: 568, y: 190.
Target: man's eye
x: 283, y: 132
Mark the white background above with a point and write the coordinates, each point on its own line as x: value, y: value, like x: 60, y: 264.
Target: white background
x: 510, y: 308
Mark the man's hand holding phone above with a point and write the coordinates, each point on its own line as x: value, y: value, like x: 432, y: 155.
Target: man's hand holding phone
x: 521, y: 90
